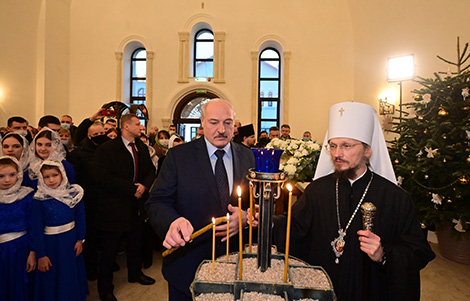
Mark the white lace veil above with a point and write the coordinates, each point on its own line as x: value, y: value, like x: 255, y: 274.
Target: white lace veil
x: 69, y: 194
x: 24, y: 158
x: 57, y: 152
x: 16, y: 192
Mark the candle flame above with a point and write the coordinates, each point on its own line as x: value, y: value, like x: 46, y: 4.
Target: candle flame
x: 289, y: 187
x: 213, y: 221
x: 239, y: 191
x: 228, y: 216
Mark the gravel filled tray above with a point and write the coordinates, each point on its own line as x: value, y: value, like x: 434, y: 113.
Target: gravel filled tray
x: 215, y: 297
x: 311, y: 282
x: 254, y: 249
x: 305, y: 282
x: 220, y: 283
x: 247, y: 295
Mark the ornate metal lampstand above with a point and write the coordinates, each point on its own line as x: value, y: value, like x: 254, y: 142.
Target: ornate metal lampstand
x: 267, y: 182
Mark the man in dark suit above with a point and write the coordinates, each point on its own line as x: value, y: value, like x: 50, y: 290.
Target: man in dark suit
x: 125, y: 173
x: 189, y: 192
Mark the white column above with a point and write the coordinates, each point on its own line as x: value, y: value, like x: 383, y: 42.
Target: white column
x: 219, y: 57
x: 149, y: 82
x: 285, y: 88
x: 184, y: 57
x: 254, y: 88
x: 119, y: 74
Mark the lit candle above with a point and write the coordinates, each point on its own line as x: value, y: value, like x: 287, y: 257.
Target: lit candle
x: 289, y: 209
x: 213, y: 245
x: 250, y: 237
x: 240, y: 229
x: 228, y: 231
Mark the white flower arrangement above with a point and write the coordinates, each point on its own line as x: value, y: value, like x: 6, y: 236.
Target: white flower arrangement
x: 300, y: 157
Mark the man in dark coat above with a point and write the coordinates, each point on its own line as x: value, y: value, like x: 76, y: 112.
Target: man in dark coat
x: 186, y: 196
x: 126, y: 173
x: 82, y: 160
x: 327, y: 230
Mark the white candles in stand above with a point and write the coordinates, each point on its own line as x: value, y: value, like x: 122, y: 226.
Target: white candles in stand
x: 228, y: 234
x: 240, y: 230
x: 213, y: 245
x: 289, y: 210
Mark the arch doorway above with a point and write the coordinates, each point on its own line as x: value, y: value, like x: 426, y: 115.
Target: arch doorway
x: 188, y: 113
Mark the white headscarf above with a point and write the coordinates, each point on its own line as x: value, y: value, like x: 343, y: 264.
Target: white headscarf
x: 172, y: 140
x: 57, y: 153
x: 69, y: 194
x: 357, y: 121
x: 24, y: 158
x: 16, y: 192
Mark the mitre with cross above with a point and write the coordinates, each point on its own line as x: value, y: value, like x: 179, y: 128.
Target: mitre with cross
x: 355, y: 120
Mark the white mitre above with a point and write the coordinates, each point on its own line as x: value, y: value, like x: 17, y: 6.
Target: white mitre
x: 357, y: 121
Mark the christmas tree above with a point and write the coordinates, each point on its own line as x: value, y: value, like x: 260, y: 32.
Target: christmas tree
x: 431, y: 154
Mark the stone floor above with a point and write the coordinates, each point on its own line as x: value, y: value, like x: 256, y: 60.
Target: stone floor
x: 442, y: 279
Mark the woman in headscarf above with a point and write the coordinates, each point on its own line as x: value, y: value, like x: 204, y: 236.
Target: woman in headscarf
x: 46, y: 145
x: 16, y: 145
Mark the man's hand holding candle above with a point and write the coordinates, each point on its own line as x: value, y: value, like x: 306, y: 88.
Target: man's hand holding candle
x: 178, y: 234
x: 221, y: 230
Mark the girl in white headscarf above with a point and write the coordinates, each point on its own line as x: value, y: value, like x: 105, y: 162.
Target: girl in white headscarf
x: 46, y: 145
x: 16, y: 256
x: 59, y: 232
x: 16, y: 145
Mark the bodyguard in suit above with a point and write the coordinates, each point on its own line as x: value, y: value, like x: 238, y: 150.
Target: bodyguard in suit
x: 193, y: 186
x: 125, y: 173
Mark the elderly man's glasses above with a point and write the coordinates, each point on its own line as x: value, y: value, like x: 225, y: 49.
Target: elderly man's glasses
x: 345, y: 147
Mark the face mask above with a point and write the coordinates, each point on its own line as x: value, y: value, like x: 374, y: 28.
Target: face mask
x: 171, y: 132
x: 65, y: 142
x: 65, y: 126
x: 100, y: 139
x: 164, y: 142
x: 305, y: 139
x: 21, y: 132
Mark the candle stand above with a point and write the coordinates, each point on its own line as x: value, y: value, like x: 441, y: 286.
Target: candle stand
x: 266, y: 189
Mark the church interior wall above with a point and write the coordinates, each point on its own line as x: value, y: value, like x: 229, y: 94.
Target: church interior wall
x: 338, y: 50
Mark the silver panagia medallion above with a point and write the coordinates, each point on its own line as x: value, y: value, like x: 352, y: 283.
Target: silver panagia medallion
x: 338, y: 245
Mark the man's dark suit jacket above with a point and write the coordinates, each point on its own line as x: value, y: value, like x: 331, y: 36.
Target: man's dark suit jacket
x: 186, y: 187
x: 117, y: 206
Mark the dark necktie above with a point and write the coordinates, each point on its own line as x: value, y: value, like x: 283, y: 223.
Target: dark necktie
x: 222, y: 179
x: 136, y: 161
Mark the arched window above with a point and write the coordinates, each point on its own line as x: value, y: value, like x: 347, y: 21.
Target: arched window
x: 138, y: 76
x: 269, y: 86
x: 203, y: 53
x: 188, y: 113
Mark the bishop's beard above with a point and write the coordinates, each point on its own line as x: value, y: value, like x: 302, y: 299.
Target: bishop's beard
x: 351, y: 172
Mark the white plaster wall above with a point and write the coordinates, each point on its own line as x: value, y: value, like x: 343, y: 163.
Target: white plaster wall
x: 66, y: 61
x: 18, y: 40
x: 384, y: 29
x: 317, y: 33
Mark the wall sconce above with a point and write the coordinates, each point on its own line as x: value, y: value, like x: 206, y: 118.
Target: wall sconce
x: 401, y: 69
x: 386, y: 108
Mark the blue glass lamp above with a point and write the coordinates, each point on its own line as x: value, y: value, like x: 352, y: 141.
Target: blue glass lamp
x: 267, y: 160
